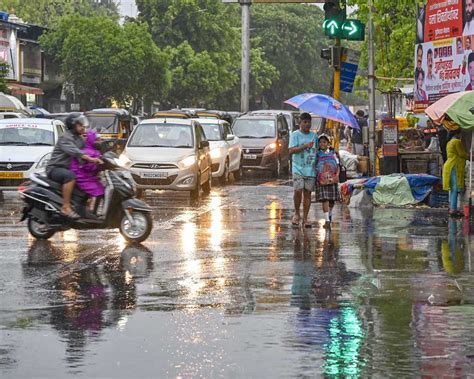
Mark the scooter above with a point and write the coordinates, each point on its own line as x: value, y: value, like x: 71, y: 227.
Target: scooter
x: 43, y: 203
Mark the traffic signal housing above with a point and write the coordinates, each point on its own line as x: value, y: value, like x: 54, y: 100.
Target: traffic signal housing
x: 334, y: 17
x: 332, y: 55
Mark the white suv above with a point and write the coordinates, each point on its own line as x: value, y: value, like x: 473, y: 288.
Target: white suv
x: 226, y: 150
x: 25, y: 146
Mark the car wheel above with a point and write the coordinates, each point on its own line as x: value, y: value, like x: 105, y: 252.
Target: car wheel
x: 239, y: 174
x: 208, y: 185
x: 224, y: 179
x: 277, y: 169
x: 196, y: 192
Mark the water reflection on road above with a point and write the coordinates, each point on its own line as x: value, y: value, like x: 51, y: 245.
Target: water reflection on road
x: 224, y: 287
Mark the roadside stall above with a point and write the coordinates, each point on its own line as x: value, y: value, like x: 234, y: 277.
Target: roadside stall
x: 457, y: 111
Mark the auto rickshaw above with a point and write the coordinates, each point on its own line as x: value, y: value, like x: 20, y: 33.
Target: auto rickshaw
x: 113, y: 125
x: 174, y: 113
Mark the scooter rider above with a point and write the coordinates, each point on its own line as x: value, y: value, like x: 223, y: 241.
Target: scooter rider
x: 69, y: 145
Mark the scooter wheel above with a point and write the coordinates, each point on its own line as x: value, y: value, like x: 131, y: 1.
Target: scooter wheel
x: 39, y: 230
x: 138, y: 232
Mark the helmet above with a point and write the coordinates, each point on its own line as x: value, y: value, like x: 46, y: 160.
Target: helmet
x: 75, y: 118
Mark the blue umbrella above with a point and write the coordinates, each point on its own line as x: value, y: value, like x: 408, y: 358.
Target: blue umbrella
x: 324, y: 106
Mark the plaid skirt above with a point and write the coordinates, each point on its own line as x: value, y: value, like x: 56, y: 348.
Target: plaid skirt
x: 328, y: 192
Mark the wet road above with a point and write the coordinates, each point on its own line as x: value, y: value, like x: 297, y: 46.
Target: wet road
x: 225, y: 288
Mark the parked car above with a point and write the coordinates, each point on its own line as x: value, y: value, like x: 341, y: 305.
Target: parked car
x: 57, y: 116
x: 264, y: 140
x: 169, y: 154
x: 292, y: 117
x: 226, y: 151
x: 26, y: 146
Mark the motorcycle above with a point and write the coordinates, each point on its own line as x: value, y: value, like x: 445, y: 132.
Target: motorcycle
x: 43, y: 203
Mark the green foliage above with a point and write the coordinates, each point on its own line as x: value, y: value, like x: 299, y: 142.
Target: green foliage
x: 48, y: 12
x: 202, y: 38
x: 395, y: 30
x: 104, y: 61
x: 292, y: 38
x: 4, y: 68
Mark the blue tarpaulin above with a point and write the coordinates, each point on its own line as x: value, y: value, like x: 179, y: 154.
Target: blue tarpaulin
x: 419, y: 185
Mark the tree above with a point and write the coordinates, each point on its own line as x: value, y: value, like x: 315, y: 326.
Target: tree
x: 4, y: 69
x: 48, y: 12
x: 292, y: 38
x: 395, y: 31
x: 202, y: 38
x: 104, y: 61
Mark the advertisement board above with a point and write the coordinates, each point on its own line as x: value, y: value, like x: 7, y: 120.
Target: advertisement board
x: 390, y: 137
x: 444, y: 58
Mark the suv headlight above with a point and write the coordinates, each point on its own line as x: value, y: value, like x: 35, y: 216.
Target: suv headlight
x: 270, y: 149
x: 187, y: 162
x: 43, y: 162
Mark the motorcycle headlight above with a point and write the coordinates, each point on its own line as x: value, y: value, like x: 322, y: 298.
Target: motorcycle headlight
x: 43, y: 162
x: 270, y: 149
x: 187, y: 162
x: 216, y: 153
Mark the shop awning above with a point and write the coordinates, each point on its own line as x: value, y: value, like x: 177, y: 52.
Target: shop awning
x: 20, y: 89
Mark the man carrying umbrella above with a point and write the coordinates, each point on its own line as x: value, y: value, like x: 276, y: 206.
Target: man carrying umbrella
x: 303, y: 145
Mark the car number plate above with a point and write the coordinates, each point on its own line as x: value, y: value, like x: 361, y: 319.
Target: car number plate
x: 250, y: 156
x: 11, y: 175
x: 160, y: 175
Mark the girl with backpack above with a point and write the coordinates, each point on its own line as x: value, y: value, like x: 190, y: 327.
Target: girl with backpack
x: 327, y: 171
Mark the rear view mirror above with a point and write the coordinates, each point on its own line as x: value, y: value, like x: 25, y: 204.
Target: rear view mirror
x: 230, y: 137
x: 204, y: 144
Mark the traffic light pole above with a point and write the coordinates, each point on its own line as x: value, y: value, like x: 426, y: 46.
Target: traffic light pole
x: 245, y: 74
x: 372, y: 147
x: 337, y: 94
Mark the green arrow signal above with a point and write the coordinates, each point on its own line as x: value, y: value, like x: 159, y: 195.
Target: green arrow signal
x: 352, y: 28
x: 332, y: 26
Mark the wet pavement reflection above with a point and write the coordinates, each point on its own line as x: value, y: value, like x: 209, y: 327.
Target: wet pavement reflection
x: 224, y: 287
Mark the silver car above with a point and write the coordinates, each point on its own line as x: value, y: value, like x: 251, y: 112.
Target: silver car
x: 169, y: 154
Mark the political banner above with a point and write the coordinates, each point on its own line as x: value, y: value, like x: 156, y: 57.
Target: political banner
x: 444, y: 60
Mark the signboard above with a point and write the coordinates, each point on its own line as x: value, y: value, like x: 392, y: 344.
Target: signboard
x: 349, y: 65
x: 444, y: 58
x: 390, y: 137
x: 31, y: 63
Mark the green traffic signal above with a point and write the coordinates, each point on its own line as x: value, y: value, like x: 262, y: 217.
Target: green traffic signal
x: 332, y: 28
x: 353, y: 30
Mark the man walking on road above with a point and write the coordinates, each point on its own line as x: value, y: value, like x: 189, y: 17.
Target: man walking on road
x: 303, y: 145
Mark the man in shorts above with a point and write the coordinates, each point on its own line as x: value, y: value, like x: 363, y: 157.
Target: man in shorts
x: 303, y: 145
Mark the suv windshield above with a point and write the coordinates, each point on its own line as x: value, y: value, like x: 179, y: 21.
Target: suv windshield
x: 212, y: 132
x: 254, y: 128
x: 103, y: 123
x: 162, y: 135
x: 22, y: 136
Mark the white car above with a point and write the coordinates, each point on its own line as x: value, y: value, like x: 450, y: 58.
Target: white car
x: 25, y: 147
x: 226, y: 150
x: 168, y: 153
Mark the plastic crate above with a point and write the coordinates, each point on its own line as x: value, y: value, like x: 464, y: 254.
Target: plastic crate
x: 417, y: 167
